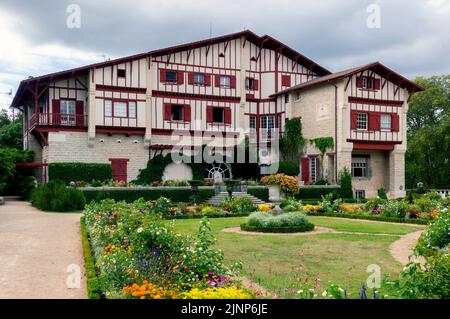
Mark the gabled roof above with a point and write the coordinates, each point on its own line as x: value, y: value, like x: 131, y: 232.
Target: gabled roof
x: 264, y: 41
x: 377, y: 67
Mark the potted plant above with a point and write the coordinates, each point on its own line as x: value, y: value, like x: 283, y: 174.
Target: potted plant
x: 281, y: 186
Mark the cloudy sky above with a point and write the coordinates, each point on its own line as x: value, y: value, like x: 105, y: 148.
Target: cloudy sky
x: 413, y: 37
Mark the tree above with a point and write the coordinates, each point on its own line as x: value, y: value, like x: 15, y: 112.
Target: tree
x: 10, y: 131
x: 292, y: 142
x: 345, y: 180
x: 428, y: 154
x: 323, y: 144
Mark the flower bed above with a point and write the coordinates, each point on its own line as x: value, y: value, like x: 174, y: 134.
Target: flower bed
x: 138, y: 255
x: 284, y: 223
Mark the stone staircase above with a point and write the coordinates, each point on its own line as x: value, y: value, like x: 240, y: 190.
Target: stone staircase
x: 218, y: 198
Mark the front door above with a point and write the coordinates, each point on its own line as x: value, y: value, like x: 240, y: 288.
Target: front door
x: 119, y: 169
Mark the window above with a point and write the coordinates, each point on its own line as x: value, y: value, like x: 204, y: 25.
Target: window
x: 286, y: 98
x: 252, y: 123
x: 171, y: 76
x: 67, y: 107
x: 360, y: 167
x: 279, y: 122
x: 250, y: 84
x: 361, y: 121
x: 199, y: 79
x: 360, y: 194
x: 67, y: 112
x: 108, y: 108
x: 176, y: 113
x: 225, y: 81
x: 368, y: 83
x: 120, y: 109
x: 132, y: 109
x: 313, y: 169
x: 385, y: 121
x: 218, y: 115
x: 121, y: 73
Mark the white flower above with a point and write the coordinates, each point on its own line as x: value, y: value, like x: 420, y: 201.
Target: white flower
x: 300, y: 291
x: 139, y: 230
x: 341, y: 290
x: 184, y: 256
x: 324, y: 293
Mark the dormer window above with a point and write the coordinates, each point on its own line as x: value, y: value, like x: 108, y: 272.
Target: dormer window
x: 368, y: 83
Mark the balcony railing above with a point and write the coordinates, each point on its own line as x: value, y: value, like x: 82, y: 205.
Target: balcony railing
x: 57, y: 119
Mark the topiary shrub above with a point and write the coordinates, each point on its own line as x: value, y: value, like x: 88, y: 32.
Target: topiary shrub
x: 284, y: 223
x: 56, y: 196
x: 71, y: 172
x: 382, y: 193
x: 345, y: 180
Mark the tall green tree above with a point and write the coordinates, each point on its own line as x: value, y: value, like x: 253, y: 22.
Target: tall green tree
x: 428, y: 154
x: 292, y: 142
x: 10, y: 131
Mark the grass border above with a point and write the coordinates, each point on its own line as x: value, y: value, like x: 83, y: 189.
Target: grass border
x: 373, y: 218
x: 281, y: 230
x: 92, y: 281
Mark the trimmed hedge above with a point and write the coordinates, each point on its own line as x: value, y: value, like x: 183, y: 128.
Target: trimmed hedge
x: 374, y: 218
x: 55, y: 196
x: 260, y: 192
x: 289, y: 168
x: 316, y: 192
x: 71, y: 172
x: 92, y: 281
x: 285, y: 229
x: 131, y: 195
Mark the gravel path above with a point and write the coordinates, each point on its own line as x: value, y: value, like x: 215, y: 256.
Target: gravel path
x: 403, y: 248
x: 39, y: 253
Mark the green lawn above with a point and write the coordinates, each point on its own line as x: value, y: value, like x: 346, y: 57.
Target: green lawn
x: 281, y: 263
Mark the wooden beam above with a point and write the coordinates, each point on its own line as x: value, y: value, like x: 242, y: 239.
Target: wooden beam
x: 348, y: 82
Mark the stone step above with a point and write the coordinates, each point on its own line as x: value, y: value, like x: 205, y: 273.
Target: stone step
x: 218, y: 199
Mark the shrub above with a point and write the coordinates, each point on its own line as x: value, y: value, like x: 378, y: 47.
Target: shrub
x: 288, y: 184
x: 131, y: 195
x: 70, y: 172
x: 238, y: 205
x: 290, y: 168
x: 259, y: 192
x: 345, y: 180
x: 436, y: 236
x: 328, y: 205
x: 291, y: 205
x: 55, y: 196
x: 316, y: 192
x: 288, y: 222
x: 382, y: 193
x: 321, y: 181
x: 393, y: 208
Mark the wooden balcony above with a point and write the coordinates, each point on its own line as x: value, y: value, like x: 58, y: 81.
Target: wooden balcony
x: 57, y: 120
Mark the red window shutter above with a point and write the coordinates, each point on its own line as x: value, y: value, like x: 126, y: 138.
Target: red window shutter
x: 162, y: 75
x: 209, y: 114
x: 305, y: 170
x: 167, y: 111
x: 191, y: 78
x: 232, y: 82
x: 286, y: 80
x: 79, y: 113
x: 208, y: 79
x: 187, y: 113
x: 255, y: 85
x: 374, y: 122
x: 227, y: 115
x: 217, y: 81
x: 377, y: 84
x: 353, y: 120
x: 359, y: 82
x: 395, y: 122
x: 56, y: 112
x: 180, y: 77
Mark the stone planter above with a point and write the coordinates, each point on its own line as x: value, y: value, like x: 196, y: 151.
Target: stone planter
x: 276, y: 195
